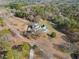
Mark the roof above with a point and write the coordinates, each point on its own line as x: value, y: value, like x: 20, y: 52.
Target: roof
x: 37, y: 27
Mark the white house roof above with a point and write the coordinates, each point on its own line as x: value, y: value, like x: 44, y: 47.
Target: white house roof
x: 38, y: 27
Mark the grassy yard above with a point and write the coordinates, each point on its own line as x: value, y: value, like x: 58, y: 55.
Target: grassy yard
x: 48, y: 24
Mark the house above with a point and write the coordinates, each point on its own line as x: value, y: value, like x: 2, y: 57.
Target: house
x: 35, y: 27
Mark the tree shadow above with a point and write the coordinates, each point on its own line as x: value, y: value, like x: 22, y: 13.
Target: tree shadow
x: 66, y: 38
x: 71, y: 38
x: 58, y: 47
x: 74, y: 56
x: 17, y: 47
x: 64, y: 47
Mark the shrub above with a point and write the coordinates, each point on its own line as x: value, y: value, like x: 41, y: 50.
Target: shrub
x: 34, y: 46
x: 16, y: 6
x: 1, y: 21
x: 4, y: 32
x: 26, y: 49
x: 21, y: 14
x: 53, y: 34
